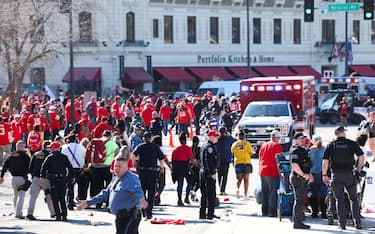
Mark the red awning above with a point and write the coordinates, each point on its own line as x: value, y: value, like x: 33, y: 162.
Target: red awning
x: 84, y: 74
x: 363, y: 70
x: 306, y: 71
x: 242, y: 72
x: 274, y: 71
x: 175, y: 74
x: 211, y: 73
x: 137, y: 75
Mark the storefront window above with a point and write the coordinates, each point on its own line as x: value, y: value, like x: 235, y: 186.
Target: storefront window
x: 192, y: 29
x: 236, y: 38
x: 214, y: 30
x: 168, y: 29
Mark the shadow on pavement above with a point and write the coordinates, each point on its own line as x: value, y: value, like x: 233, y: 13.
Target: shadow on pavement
x: 12, y: 230
x: 87, y: 222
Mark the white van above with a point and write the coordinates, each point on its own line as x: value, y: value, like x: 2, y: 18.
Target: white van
x: 227, y: 88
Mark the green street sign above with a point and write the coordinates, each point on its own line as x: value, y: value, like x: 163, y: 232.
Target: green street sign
x: 344, y: 7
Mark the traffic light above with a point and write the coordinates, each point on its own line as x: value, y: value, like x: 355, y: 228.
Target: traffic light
x: 309, y: 11
x: 368, y: 9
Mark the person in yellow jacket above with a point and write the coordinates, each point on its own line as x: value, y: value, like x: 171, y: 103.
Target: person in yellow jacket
x: 242, y: 151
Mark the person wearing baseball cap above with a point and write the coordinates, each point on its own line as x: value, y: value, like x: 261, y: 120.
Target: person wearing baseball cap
x: 300, y: 178
x: 55, y: 169
x: 269, y: 174
x: 210, y: 163
x: 339, y: 156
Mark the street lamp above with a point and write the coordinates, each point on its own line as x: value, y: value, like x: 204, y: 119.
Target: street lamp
x: 248, y: 39
x: 71, y: 63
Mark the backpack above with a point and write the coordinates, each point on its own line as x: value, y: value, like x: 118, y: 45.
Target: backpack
x: 95, y: 152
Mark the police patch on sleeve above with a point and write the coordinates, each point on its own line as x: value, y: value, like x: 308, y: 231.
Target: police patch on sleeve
x: 210, y: 150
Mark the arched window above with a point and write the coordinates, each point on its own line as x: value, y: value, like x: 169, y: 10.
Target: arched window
x: 85, y: 26
x: 130, y: 27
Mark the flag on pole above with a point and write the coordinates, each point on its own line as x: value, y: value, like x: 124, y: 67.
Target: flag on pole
x: 350, y: 51
x: 335, y: 51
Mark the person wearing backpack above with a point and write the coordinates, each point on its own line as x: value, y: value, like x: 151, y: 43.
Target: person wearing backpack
x: 76, y: 155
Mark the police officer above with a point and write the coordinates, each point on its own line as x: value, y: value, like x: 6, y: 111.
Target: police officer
x: 300, y: 178
x: 18, y: 165
x: 147, y: 155
x: 55, y: 169
x: 208, y: 175
x: 339, y: 157
x: 125, y: 196
x: 36, y: 184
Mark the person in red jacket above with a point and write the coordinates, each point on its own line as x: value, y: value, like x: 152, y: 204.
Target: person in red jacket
x: 92, y: 110
x: 269, y: 174
x: 146, y: 115
x: 35, y: 139
x: 55, y: 121
x: 23, y: 123
x: 165, y: 115
x: 36, y: 119
x: 16, y: 130
x: 101, y: 127
x: 183, y: 118
x: 77, y: 116
x: 86, y: 126
x: 116, y: 109
x: 102, y: 111
x: 5, y: 133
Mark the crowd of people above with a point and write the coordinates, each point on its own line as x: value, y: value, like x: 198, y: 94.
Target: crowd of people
x: 112, y: 139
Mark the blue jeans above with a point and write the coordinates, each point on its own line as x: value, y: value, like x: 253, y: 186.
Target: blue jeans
x: 165, y: 126
x: 180, y: 184
x: 269, y: 195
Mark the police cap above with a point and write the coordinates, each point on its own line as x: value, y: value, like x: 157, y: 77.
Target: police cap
x: 340, y: 129
x: 299, y: 135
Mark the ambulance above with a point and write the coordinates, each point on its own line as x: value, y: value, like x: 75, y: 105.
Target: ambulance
x: 362, y: 85
x: 284, y: 103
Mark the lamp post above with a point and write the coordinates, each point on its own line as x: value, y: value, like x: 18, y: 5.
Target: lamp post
x: 71, y: 63
x: 248, y: 39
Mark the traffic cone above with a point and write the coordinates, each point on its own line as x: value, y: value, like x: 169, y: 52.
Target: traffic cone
x: 170, y: 138
x: 191, y: 132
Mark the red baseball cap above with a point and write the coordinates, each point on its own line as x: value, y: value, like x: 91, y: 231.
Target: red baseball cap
x: 213, y: 133
x: 55, y: 145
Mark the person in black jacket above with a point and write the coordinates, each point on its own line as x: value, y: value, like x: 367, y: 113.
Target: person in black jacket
x: 208, y: 175
x: 18, y: 165
x: 198, y: 107
x: 54, y: 169
x: 36, y: 184
x: 226, y: 119
x: 156, y: 124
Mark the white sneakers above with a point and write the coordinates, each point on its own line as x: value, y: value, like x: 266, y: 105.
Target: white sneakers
x: 238, y: 193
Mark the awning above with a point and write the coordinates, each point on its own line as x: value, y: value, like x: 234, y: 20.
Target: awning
x: 242, y: 72
x: 84, y: 74
x: 362, y: 70
x: 306, y: 71
x: 175, y: 74
x: 274, y: 71
x: 137, y: 75
x: 211, y: 73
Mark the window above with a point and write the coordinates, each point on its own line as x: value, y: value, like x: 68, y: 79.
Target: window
x: 85, y: 26
x: 155, y: 28
x: 37, y: 30
x: 130, y: 27
x: 38, y: 76
x: 214, y: 30
x: 356, y: 31
x: 192, y: 29
x: 168, y: 29
x: 257, y: 31
x: 297, y: 31
x: 276, y: 31
x: 372, y: 32
x: 328, y: 31
x: 236, y: 30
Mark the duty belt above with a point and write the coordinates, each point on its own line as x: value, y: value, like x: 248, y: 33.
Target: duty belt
x: 56, y: 175
x: 124, y: 213
x: 149, y: 168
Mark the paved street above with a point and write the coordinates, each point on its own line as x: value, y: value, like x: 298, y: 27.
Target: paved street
x: 237, y: 215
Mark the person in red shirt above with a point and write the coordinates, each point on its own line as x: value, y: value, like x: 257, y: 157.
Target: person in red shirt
x: 165, y: 115
x: 55, y: 121
x: 181, y: 157
x: 269, y: 174
x: 36, y: 119
x: 5, y: 134
x: 102, y: 111
x: 16, y: 130
x: 116, y: 109
x: 92, y: 110
x: 23, y: 123
x: 183, y: 118
x: 146, y: 115
x: 101, y: 127
x: 77, y: 116
x: 343, y: 107
x: 86, y: 126
x: 35, y: 139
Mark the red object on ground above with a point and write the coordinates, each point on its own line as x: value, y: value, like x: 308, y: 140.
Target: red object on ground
x: 168, y: 221
x: 226, y: 199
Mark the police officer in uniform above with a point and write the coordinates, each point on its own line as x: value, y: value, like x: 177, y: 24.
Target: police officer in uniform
x: 55, y: 169
x: 18, y: 165
x: 36, y: 185
x: 208, y: 174
x: 147, y: 155
x: 300, y: 178
x: 124, y: 194
x: 339, y: 157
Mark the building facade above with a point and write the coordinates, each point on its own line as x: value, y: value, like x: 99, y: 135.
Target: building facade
x: 175, y: 44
